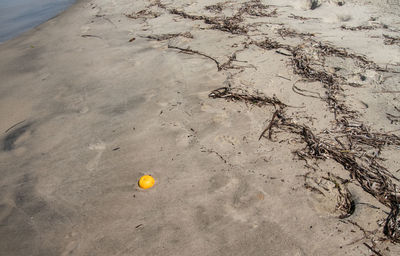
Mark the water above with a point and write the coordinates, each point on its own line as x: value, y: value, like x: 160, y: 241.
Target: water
x: 18, y: 16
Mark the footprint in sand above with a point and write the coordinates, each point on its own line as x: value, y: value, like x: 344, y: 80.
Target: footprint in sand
x: 6, y: 209
x: 79, y: 105
x: 218, y: 116
x: 330, y: 195
x: 72, y: 245
x: 99, y: 147
x: 243, y: 197
x: 85, y: 29
x: 227, y: 139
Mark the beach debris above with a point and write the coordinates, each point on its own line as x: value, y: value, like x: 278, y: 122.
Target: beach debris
x: 286, y: 32
x: 238, y: 94
x: 390, y: 40
x: 145, y: 14
x: 269, y: 44
x: 312, y: 4
x: 293, y: 16
x: 86, y: 36
x: 146, y: 181
x: 350, y: 142
x: 190, y: 51
x: 344, y: 27
x: 157, y: 3
x: 345, y: 203
x: 257, y: 9
x: 331, y: 187
x: 13, y: 134
x: 227, y: 24
x: 374, y: 250
x: 284, y: 52
x: 14, y: 125
x: 163, y: 37
x: 269, y: 127
x: 351, y: 154
x: 215, y: 8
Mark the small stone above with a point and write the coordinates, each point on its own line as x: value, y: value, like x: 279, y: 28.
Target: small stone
x: 313, y: 4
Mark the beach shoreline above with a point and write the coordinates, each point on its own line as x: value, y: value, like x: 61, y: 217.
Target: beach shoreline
x: 21, y: 16
x: 259, y: 121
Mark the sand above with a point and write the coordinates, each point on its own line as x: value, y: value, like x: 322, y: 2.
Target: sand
x: 98, y: 96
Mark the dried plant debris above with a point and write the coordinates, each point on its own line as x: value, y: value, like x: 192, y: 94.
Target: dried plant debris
x: 231, y: 24
x: 308, y: 59
x: 270, y: 125
x: 302, y: 65
x: 236, y: 94
x: 215, y: 8
x: 393, y: 118
x: 145, y: 14
x: 233, y: 58
x: 224, y: 66
x: 292, y: 16
x: 226, y: 24
x: 286, y: 32
x: 350, y: 143
x: 390, y: 40
x: 358, y: 28
x: 345, y: 203
x: 258, y: 9
x: 329, y: 50
x: 269, y: 44
x: 169, y: 36
x: 392, y: 225
x: 365, y: 169
x: 190, y: 51
x: 332, y: 188
x: 373, y: 249
x: 157, y: 3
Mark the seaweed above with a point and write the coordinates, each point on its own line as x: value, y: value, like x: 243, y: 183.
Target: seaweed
x: 169, y: 36
x: 365, y: 169
x: 390, y: 40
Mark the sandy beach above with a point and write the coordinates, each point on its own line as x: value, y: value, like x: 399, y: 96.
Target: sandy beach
x: 270, y: 127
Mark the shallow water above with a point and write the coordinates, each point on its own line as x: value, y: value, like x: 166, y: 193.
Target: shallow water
x: 18, y: 16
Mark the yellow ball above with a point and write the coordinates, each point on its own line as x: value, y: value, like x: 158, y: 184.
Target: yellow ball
x: 146, y: 182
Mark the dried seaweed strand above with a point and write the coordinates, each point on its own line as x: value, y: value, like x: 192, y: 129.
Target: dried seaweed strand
x: 190, y: 51
x: 268, y: 128
x: 373, y: 178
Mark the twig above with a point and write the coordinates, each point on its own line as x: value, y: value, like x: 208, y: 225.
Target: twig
x: 300, y: 91
x: 14, y: 126
x: 283, y: 77
x: 372, y: 249
x: 85, y: 36
x: 283, y: 53
x: 188, y: 51
x: 269, y: 126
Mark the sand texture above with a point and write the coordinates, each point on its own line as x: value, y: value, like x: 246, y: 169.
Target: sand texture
x: 270, y: 127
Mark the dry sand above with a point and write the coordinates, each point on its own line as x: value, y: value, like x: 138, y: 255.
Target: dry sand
x: 94, y: 109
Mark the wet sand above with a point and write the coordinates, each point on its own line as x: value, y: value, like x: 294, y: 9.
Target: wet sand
x: 111, y: 90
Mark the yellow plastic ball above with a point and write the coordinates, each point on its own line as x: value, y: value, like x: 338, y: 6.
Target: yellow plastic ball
x: 146, y: 182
